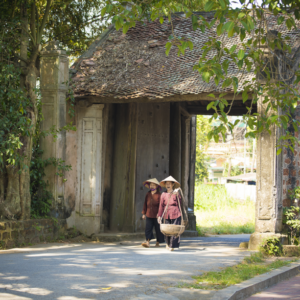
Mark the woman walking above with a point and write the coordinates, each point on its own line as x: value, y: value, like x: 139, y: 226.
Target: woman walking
x: 169, y: 209
x: 150, y: 210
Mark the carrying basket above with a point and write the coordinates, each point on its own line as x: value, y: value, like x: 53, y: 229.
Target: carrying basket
x: 172, y: 229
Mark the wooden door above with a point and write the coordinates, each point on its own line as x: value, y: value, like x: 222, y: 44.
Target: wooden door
x: 153, y: 136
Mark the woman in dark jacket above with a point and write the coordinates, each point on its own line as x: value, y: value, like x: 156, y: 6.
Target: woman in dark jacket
x: 150, y: 211
x: 172, y: 213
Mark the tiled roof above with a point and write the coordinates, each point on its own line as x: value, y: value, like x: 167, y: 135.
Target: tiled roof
x: 135, y: 65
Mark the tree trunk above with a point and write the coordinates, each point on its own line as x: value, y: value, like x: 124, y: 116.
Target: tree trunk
x: 15, y: 198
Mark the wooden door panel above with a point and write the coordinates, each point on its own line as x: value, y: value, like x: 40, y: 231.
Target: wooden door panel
x: 152, y: 150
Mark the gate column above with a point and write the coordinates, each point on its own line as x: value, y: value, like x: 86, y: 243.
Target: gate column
x: 268, y: 210
x: 54, y: 78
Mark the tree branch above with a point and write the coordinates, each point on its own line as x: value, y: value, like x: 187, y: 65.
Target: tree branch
x: 32, y: 22
x: 41, y: 28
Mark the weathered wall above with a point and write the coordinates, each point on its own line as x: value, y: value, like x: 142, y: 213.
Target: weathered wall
x: 153, y: 137
x: 16, y: 233
x: 84, y: 186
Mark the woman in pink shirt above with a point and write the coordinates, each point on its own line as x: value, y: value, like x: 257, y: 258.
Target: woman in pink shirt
x: 172, y: 215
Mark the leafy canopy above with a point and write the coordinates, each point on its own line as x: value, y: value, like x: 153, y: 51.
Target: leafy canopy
x: 259, y: 50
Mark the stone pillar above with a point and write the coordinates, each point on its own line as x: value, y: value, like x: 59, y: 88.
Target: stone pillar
x: 175, y: 141
x: 268, y: 217
x: 54, y: 78
x: 193, y: 145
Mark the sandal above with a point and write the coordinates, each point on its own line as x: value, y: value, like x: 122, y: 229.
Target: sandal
x: 146, y: 244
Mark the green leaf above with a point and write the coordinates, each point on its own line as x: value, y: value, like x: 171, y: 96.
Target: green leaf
x: 245, y: 96
x: 168, y: 48
x: 241, y: 15
x: 161, y: 20
x: 206, y: 76
x: 210, y: 105
x: 229, y: 26
x: 225, y: 66
x: 241, y: 54
x: 190, y: 44
x: 209, y: 6
x: 222, y: 3
x: 211, y: 95
x: 232, y: 49
x: 194, y: 22
x: 219, y: 29
x: 242, y: 34
x: 109, y: 7
x: 103, y: 11
x: 125, y: 28
x: 280, y: 20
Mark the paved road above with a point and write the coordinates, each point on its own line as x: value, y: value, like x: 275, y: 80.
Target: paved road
x: 288, y: 289
x: 85, y: 271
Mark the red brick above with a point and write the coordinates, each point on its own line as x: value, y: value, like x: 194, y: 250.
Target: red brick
x: 285, y: 171
x: 294, y: 163
x: 295, y: 152
x: 286, y: 202
x: 285, y: 151
x: 289, y: 181
x: 287, y: 161
x: 294, y: 173
x: 284, y: 191
x: 297, y: 182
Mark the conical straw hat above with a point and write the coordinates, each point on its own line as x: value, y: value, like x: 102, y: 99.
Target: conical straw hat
x: 147, y: 182
x: 170, y: 178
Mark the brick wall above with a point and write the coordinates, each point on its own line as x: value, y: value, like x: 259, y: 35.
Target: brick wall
x: 291, y: 165
x: 17, y: 233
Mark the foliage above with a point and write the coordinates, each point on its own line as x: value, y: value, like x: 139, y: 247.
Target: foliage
x: 218, y: 213
x: 248, y: 22
x: 272, y: 246
x: 26, y: 27
x: 249, y: 268
x: 202, y: 159
x: 294, y: 193
x: 291, y: 219
x: 235, y: 170
x: 14, y: 121
x: 41, y: 198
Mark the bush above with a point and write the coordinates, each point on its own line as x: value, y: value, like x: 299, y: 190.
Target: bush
x: 273, y: 247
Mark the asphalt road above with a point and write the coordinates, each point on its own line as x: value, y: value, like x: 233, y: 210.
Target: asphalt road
x: 111, y: 271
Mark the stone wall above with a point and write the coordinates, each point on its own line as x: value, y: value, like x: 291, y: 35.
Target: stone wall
x: 18, y: 233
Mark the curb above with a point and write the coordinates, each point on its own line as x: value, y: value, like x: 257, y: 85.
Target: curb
x: 257, y: 284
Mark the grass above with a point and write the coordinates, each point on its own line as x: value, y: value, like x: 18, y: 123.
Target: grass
x: 218, y: 213
x: 249, y: 268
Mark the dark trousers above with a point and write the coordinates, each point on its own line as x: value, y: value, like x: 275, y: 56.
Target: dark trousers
x: 150, y: 223
x: 173, y: 241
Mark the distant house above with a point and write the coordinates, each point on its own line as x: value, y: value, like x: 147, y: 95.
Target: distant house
x: 242, y: 186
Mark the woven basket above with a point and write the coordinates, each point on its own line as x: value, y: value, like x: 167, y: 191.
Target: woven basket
x: 170, y: 229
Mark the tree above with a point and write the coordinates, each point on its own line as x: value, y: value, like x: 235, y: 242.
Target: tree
x: 203, y: 127
x: 260, y: 50
x: 26, y: 26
